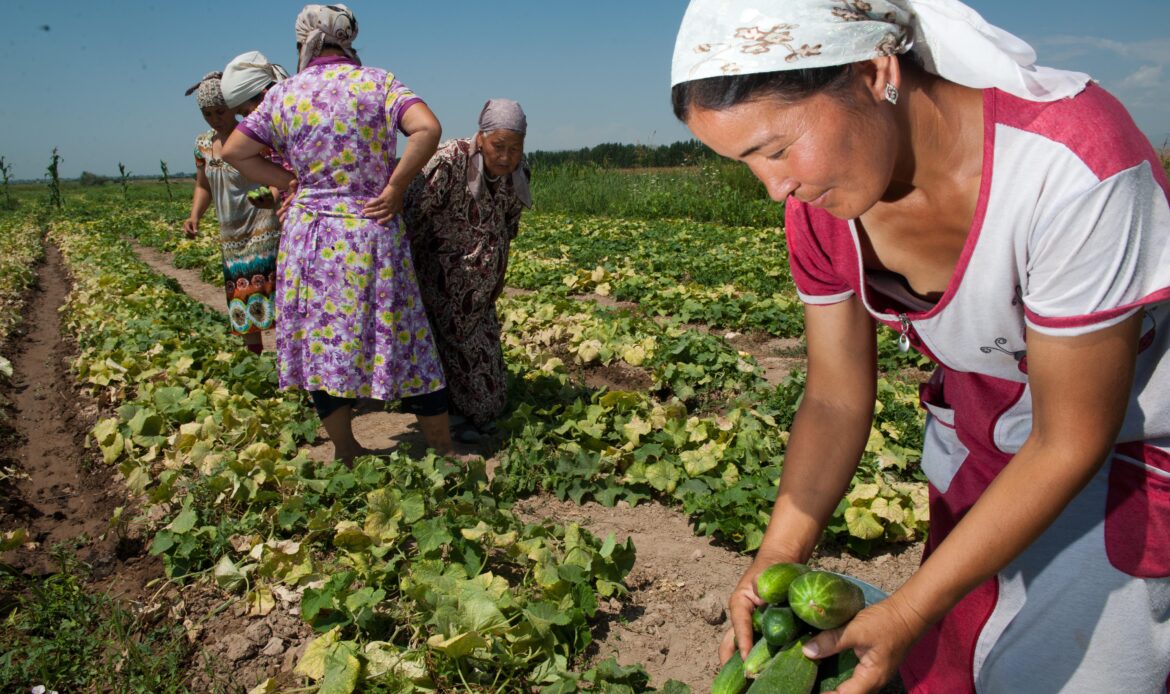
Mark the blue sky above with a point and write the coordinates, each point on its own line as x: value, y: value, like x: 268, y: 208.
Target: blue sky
x: 104, y: 82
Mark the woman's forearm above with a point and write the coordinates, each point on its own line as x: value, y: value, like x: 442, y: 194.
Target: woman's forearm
x: 257, y: 169
x: 824, y: 447
x: 1000, y: 526
x: 200, y: 201
x: 1075, y: 422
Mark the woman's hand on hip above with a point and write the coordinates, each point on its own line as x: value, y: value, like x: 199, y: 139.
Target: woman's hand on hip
x: 286, y: 200
x: 880, y: 636
x: 385, y: 206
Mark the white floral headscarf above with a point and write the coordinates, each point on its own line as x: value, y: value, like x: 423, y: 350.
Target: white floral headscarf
x: 321, y: 24
x: 730, y: 37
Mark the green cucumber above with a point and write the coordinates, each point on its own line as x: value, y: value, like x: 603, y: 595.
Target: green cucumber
x: 772, y: 583
x: 730, y: 679
x: 758, y: 658
x: 789, y: 672
x: 758, y: 620
x: 825, y: 600
x: 834, y: 670
x: 779, y: 626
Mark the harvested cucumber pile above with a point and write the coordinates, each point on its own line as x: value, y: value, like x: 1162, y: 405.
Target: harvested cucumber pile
x: 800, y: 602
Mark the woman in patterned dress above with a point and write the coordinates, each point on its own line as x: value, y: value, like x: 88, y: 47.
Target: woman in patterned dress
x: 248, y: 235
x: 1011, y: 222
x: 352, y: 323
x: 462, y: 213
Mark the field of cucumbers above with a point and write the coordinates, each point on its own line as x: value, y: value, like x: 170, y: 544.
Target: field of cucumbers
x: 227, y: 554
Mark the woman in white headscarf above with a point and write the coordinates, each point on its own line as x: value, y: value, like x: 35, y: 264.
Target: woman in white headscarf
x: 246, y: 79
x: 1012, y: 223
x: 462, y: 213
x: 248, y: 234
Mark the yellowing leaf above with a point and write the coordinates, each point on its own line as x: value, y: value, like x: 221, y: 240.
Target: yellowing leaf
x: 635, y: 355
x: 268, y: 686
x: 260, y: 602
x: 12, y: 539
x: 459, y: 645
x: 862, y: 523
x: 312, y: 663
x: 349, y: 536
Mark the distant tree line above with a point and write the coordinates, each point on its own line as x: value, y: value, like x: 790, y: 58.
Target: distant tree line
x: 619, y: 156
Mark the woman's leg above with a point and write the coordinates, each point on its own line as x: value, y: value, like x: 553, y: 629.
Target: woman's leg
x: 337, y: 416
x: 254, y: 342
x: 431, y: 410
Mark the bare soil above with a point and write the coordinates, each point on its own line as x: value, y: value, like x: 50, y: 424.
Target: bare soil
x: 60, y: 495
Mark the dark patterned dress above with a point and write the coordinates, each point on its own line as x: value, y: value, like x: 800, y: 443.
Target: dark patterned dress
x: 460, y: 246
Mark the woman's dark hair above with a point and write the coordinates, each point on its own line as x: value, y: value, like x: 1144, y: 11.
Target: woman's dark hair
x: 725, y: 91
x: 324, y: 45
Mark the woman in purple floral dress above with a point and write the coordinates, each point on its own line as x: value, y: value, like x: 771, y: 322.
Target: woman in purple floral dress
x: 351, y: 321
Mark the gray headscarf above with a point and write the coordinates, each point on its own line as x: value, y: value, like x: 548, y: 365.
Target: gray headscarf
x: 318, y: 25
x: 499, y: 114
x: 207, y: 91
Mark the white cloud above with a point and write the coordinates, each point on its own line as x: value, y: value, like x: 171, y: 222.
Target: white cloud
x: 1145, y: 77
x: 1156, y: 52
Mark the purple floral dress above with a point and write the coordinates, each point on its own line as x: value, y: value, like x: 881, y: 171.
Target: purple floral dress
x: 350, y: 318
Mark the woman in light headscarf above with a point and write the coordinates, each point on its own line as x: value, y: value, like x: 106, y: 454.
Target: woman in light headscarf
x: 246, y: 79
x: 462, y: 213
x: 1012, y: 223
x: 248, y: 234
x: 352, y: 323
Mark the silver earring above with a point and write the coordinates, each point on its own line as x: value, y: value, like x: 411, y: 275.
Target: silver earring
x: 891, y: 93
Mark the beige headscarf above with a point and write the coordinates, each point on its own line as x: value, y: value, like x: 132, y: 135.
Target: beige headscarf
x: 730, y: 37
x: 207, y: 91
x: 321, y: 24
x: 499, y: 114
x: 247, y: 75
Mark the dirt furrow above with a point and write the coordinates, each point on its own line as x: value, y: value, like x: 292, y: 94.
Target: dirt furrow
x: 60, y: 499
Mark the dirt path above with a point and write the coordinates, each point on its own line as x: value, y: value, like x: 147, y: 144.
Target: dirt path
x: 59, y: 499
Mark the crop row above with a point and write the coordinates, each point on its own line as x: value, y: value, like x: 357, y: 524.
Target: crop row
x: 20, y: 251
x: 414, y: 572
x: 715, y: 432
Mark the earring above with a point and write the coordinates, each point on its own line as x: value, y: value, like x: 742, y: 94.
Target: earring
x: 891, y: 93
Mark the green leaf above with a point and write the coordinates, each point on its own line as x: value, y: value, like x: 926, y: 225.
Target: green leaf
x: 184, y: 522
x: 543, y: 615
x: 146, y: 423
x: 431, y: 534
